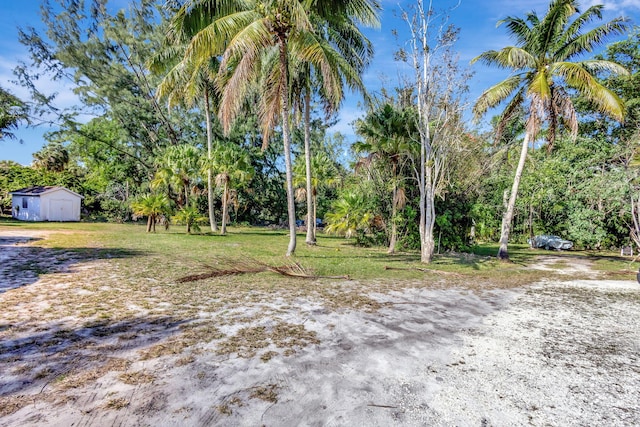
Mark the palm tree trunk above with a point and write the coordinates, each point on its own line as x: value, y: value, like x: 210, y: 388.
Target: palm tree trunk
x: 503, y: 254
x: 149, y: 224
x: 315, y: 207
x: 284, y: 99
x: 225, y: 207
x: 207, y: 110
x: 311, y: 220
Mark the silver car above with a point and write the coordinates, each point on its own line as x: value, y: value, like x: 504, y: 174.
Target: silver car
x: 548, y: 241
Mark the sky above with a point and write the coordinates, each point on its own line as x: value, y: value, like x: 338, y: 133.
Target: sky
x: 476, y: 18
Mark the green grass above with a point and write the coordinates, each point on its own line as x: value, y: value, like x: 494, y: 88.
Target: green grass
x: 170, y: 255
x: 173, y: 253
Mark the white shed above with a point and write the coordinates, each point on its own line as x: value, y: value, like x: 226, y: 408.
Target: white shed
x: 45, y: 203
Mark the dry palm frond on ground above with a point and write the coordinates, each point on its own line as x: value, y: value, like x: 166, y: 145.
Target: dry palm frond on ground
x: 232, y: 267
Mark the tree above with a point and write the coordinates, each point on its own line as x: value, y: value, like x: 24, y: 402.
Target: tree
x: 53, y: 157
x: 12, y: 112
x: 180, y: 167
x: 232, y: 165
x: 187, y: 80
x: 440, y: 87
x: 388, y: 132
x: 151, y: 206
x: 102, y: 57
x: 346, y: 52
x: 543, y: 74
x: 254, y: 34
x: 324, y: 173
x: 189, y: 216
x: 350, y: 215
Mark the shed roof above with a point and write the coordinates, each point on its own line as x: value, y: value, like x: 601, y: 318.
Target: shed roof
x: 37, y: 190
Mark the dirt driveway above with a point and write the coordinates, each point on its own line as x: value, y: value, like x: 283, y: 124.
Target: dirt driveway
x: 556, y: 353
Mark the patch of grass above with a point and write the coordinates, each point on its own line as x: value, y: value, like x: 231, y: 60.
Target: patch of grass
x: 116, y: 403
x: 135, y: 378
x: 11, y: 404
x: 268, y: 393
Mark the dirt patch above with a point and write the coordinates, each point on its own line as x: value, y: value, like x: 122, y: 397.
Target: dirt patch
x: 89, y: 345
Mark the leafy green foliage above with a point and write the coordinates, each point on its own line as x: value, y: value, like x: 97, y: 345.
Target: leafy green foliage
x: 152, y: 206
x: 191, y: 217
x: 13, y: 111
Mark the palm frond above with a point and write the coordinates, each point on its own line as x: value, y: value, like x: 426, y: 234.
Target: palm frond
x: 510, y: 57
x: 518, y: 28
x: 578, y: 77
x: 496, y: 94
x: 550, y: 30
x: 592, y: 39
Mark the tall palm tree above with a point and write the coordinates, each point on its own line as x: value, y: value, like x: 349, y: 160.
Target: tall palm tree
x: 324, y: 174
x: 254, y: 34
x: 189, y: 81
x: 543, y: 67
x: 387, y: 137
x: 343, y: 40
x: 232, y: 164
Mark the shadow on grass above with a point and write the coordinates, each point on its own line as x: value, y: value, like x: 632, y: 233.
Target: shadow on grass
x: 23, y: 265
x: 61, y: 358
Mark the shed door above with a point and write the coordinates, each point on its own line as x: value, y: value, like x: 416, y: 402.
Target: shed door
x: 60, y: 210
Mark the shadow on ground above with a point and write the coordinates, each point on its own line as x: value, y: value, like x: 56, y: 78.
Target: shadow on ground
x: 22, y: 264
x: 57, y: 357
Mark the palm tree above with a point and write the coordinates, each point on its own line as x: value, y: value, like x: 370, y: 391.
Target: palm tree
x: 387, y: 134
x: 187, y: 80
x: 350, y: 214
x: 232, y: 165
x: 151, y: 206
x: 189, y: 216
x: 324, y: 173
x: 180, y: 167
x: 255, y: 34
x: 53, y: 157
x: 542, y: 70
x: 347, y: 53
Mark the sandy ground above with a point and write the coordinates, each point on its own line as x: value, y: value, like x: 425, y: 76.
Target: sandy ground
x: 560, y: 353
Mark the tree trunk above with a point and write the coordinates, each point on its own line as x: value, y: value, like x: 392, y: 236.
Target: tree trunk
x: 315, y: 205
x: 284, y: 99
x: 503, y: 254
x: 149, y: 223
x: 427, y: 245
x: 311, y: 220
x: 212, y: 218
x: 394, y: 227
x: 394, y: 211
x: 225, y: 207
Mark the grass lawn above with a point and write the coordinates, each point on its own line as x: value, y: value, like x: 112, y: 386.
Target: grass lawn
x: 77, y: 299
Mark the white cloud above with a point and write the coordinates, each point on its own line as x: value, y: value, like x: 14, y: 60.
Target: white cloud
x: 617, y: 6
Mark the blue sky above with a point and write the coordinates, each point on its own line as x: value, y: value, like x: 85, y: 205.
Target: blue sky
x: 476, y: 18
